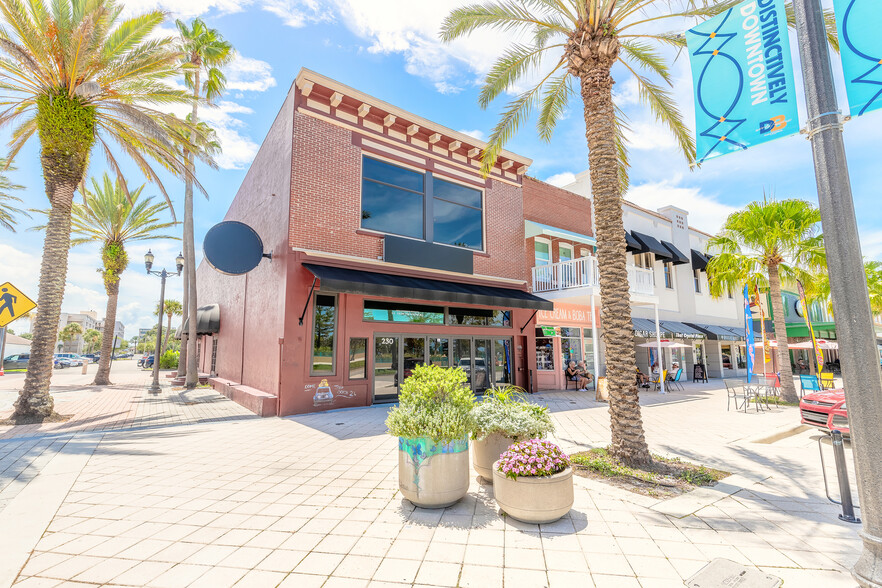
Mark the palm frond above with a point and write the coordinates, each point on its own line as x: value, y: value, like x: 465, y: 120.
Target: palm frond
x: 504, y: 15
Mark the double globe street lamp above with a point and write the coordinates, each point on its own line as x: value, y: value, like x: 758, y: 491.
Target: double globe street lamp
x: 155, y: 388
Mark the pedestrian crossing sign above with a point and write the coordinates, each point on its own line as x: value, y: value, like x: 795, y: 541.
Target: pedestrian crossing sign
x: 13, y: 304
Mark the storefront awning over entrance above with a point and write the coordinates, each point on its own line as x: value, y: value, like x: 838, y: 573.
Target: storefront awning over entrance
x: 681, y: 330
x: 632, y: 245
x: 534, y: 229
x: 716, y: 333
x: 350, y: 281
x: 207, y: 320
x: 652, y: 245
x: 677, y: 257
x: 646, y: 328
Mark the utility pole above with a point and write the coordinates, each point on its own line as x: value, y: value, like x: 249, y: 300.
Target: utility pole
x: 848, y: 284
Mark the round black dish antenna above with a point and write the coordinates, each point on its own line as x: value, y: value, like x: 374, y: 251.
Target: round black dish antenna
x: 233, y: 248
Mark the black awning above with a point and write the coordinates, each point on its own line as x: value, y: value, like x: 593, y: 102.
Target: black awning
x: 682, y: 330
x: 699, y: 261
x: 651, y: 245
x: 646, y: 328
x: 678, y: 257
x: 207, y: 320
x: 632, y: 245
x: 350, y: 281
x: 716, y: 332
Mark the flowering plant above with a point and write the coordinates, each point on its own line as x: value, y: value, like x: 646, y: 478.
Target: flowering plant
x: 435, y: 403
x: 534, y: 457
x: 506, y: 411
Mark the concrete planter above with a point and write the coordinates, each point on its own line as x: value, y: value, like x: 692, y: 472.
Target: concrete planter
x: 487, y: 451
x: 433, y: 475
x: 534, y: 499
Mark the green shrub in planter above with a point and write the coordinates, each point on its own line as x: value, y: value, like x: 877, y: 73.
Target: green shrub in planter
x: 169, y: 360
x: 433, y: 403
x: 507, y: 411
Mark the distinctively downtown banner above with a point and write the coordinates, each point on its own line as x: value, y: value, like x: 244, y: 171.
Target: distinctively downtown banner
x: 859, y: 23
x: 745, y: 93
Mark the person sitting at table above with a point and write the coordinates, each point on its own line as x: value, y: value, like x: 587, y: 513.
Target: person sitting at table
x: 642, y: 379
x: 575, y: 375
x: 587, y: 378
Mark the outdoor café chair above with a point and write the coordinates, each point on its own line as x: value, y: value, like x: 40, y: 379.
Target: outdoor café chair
x: 767, y: 388
x: 808, y: 384
x: 657, y: 381
x: 569, y: 381
x: 742, y: 394
x: 676, y: 381
x: 827, y: 381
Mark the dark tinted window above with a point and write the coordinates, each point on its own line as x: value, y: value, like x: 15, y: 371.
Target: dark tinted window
x: 458, y: 225
x: 456, y: 193
x: 323, y: 330
x: 375, y: 310
x: 391, y: 210
x: 392, y: 174
x: 479, y: 317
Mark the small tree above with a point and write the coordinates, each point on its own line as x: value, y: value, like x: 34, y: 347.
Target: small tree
x: 92, y: 339
x: 70, y: 332
x: 172, y: 308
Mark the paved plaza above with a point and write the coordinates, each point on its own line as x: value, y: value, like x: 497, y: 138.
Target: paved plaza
x: 207, y: 495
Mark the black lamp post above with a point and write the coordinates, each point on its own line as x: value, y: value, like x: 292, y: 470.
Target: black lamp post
x: 148, y: 263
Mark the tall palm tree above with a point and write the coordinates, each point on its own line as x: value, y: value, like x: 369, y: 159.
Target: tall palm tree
x: 113, y: 216
x: 92, y: 339
x: 79, y: 77
x: 172, y: 308
x: 205, y: 52
x: 584, y: 39
x: 8, y: 210
x: 769, y: 243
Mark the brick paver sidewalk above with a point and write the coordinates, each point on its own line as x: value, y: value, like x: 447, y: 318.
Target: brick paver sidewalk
x: 313, y: 501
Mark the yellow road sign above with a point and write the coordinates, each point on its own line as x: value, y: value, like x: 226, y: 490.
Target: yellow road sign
x: 13, y: 304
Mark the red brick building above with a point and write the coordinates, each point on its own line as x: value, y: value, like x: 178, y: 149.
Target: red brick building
x: 389, y: 249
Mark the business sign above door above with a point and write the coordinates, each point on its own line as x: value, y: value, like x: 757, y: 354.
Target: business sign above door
x: 566, y: 314
x: 745, y: 93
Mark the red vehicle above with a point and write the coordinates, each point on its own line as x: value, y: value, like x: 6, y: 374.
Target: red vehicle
x: 825, y: 410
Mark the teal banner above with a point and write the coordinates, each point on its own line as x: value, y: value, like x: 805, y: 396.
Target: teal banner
x: 742, y: 72
x: 859, y: 23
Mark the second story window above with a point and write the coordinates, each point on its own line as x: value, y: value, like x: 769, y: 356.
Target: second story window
x: 409, y: 203
x: 669, y: 276
x: 644, y: 260
x: 697, y: 279
x: 543, y: 253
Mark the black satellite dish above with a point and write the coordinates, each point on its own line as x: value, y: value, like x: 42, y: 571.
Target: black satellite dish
x: 233, y: 248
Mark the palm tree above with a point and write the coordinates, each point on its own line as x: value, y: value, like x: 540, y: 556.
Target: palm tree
x: 769, y: 243
x: 172, y: 308
x: 204, y: 51
x: 818, y: 288
x: 113, y: 216
x: 7, y: 210
x: 92, y: 339
x: 70, y: 332
x: 78, y: 76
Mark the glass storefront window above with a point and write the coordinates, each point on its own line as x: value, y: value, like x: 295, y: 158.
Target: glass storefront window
x: 324, y: 326
x: 570, y: 350
x: 478, y: 317
x: 740, y: 357
x: 544, y: 353
x: 726, y: 351
x: 589, y: 353
x: 396, y: 312
x: 502, y: 361
x: 358, y: 358
x: 438, y: 352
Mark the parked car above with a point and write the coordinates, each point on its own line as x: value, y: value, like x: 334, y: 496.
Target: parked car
x: 16, y: 362
x: 146, y: 361
x: 61, y: 363
x: 73, y: 358
x: 92, y: 357
x: 825, y: 410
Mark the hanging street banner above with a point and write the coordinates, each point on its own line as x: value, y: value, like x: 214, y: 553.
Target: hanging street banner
x: 748, y: 334
x: 742, y: 71
x: 858, y: 23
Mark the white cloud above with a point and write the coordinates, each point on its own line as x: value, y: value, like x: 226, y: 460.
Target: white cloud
x: 871, y: 244
x: 706, y: 213
x: 649, y: 137
x: 479, y: 135
x: 249, y: 74
x: 184, y: 9
x: 298, y: 13
x: 562, y: 179
x: 238, y: 150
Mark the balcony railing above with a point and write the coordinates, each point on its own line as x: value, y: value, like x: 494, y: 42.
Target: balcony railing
x: 582, y: 272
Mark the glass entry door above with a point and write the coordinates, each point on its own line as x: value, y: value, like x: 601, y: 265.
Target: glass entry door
x: 487, y: 362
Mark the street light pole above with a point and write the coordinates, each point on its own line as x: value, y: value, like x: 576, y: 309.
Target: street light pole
x: 155, y: 388
x: 848, y: 285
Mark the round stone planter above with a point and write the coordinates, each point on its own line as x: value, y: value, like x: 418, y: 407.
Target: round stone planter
x: 487, y: 451
x: 534, y: 499
x: 433, y: 475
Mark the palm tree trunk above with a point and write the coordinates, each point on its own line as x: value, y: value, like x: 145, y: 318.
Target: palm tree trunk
x: 628, y: 442
x: 102, y: 377
x: 192, y: 370
x: 167, y: 333
x: 182, y: 359
x: 34, y: 402
x: 788, y: 390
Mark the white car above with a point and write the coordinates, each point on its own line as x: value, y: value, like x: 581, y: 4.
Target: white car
x: 73, y: 358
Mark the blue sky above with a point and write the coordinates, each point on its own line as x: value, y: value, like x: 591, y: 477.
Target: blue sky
x: 389, y: 49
